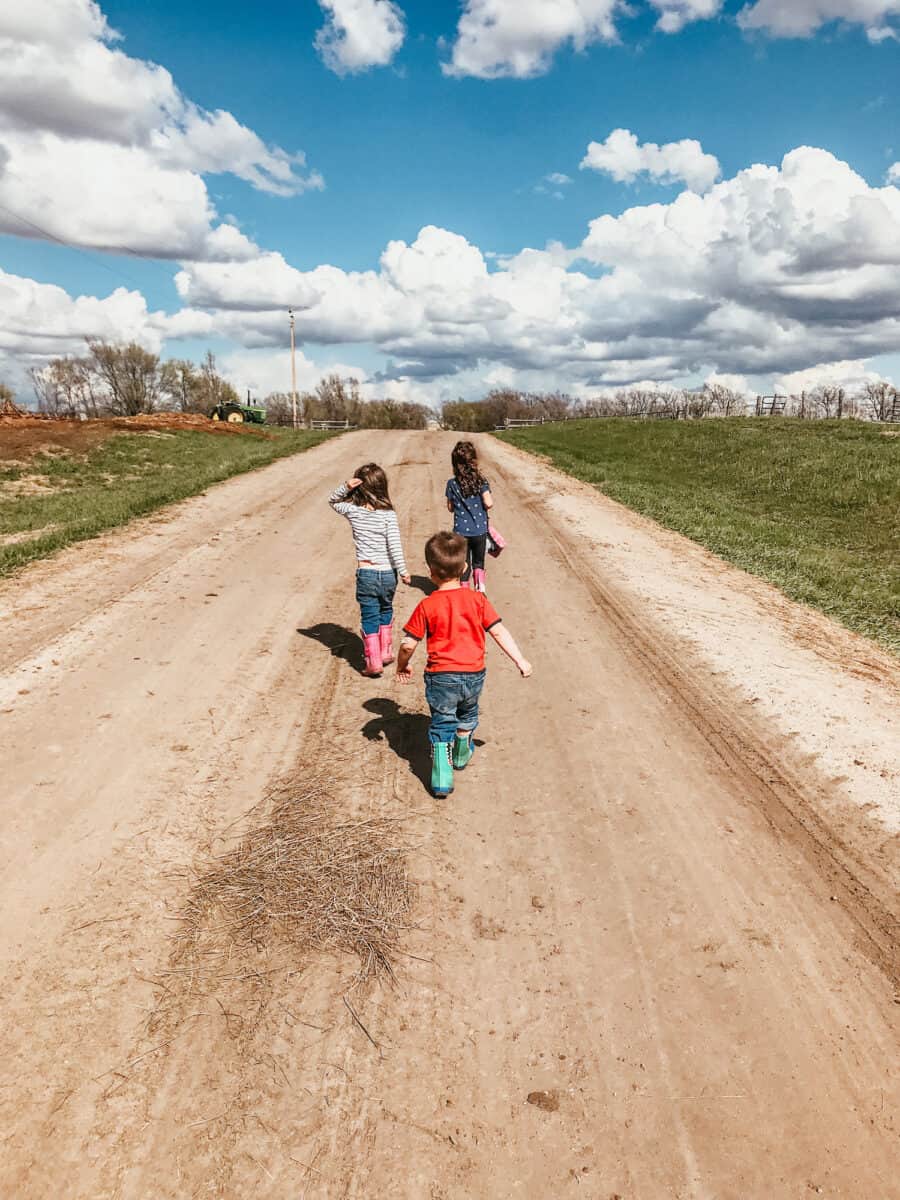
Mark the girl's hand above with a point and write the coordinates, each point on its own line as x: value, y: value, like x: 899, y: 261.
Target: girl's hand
x: 405, y: 676
x: 353, y: 483
x: 407, y: 579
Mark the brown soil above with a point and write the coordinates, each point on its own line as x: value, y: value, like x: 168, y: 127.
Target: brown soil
x: 27, y: 535
x: 27, y: 485
x: 654, y: 953
x: 21, y: 437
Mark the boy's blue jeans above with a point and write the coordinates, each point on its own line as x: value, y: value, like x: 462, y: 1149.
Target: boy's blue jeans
x: 375, y: 596
x: 453, y: 700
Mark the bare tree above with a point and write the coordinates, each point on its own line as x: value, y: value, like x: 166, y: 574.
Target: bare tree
x: 725, y: 401
x: 212, y: 389
x: 179, y: 383
x: 129, y: 375
x: 67, y: 387
x: 878, y: 399
x: 827, y: 401
x: 279, y: 409
x: 334, y: 399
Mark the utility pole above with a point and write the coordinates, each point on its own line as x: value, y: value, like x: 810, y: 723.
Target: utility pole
x: 293, y: 373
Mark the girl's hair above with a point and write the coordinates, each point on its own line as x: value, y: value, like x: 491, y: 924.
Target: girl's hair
x: 373, y: 487
x: 465, y: 469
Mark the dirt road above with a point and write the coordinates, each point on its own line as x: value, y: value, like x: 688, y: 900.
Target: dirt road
x: 655, y: 953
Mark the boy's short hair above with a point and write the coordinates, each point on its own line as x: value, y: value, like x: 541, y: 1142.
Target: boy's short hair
x: 446, y: 554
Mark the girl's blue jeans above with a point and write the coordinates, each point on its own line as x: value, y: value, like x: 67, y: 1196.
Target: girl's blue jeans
x: 453, y: 699
x: 375, y: 596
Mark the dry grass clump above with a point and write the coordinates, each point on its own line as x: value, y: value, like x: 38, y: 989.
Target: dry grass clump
x: 307, y: 880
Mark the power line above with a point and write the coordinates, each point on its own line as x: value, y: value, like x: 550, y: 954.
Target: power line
x: 46, y: 233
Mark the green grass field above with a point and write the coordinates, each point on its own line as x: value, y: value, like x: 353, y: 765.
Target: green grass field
x: 62, y: 495
x: 812, y: 506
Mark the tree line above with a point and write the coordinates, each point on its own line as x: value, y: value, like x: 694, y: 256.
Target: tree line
x: 123, y: 379
x: 115, y: 379
x: 337, y: 399
x: 875, y: 401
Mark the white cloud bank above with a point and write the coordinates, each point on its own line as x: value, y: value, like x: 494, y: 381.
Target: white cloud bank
x: 359, y: 34
x: 104, y: 151
x: 624, y: 158
x: 802, y: 18
x: 766, y: 273
x: 40, y: 320
x: 519, y: 38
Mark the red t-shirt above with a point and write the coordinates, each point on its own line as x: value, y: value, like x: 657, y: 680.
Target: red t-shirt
x: 454, y: 622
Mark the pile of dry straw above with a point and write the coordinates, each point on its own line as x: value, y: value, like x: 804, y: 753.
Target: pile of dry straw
x: 306, y: 880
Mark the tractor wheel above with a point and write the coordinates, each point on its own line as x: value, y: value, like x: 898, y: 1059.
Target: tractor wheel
x: 216, y: 417
x: 235, y: 418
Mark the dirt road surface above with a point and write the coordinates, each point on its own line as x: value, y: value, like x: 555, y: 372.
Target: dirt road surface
x: 655, y: 943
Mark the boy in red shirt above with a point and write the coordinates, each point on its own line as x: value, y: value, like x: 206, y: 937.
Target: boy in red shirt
x: 453, y: 620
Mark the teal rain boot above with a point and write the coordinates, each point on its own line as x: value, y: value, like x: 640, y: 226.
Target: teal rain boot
x: 441, y: 770
x: 462, y: 751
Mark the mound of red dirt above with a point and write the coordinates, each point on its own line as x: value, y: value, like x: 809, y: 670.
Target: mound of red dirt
x: 177, y: 420
x: 28, y: 434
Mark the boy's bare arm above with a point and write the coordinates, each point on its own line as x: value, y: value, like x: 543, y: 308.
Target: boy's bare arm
x: 507, y: 644
x: 407, y: 650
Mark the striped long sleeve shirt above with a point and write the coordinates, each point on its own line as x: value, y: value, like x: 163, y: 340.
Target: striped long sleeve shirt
x: 376, y: 534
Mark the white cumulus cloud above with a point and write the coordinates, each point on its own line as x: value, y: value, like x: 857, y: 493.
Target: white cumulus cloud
x: 41, y: 320
x: 518, y: 38
x: 769, y: 272
x: 779, y: 270
x: 675, y: 14
x: 802, y: 18
x: 262, y: 371
x: 359, y: 34
x: 624, y: 158
x: 96, y: 146
x: 852, y: 375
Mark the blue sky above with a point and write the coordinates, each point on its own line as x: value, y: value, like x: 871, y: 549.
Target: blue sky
x: 402, y: 146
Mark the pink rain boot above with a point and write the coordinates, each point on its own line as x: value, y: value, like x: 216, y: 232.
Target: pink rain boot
x: 372, y: 650
x: 386, y: 635
x: 479, y: 580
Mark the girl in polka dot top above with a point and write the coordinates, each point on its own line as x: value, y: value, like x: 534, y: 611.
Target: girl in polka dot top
x: 469, y: 499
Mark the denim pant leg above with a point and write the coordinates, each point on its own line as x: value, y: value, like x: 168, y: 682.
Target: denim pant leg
x: 386, y: 600
x: 368, y: 596
x: 453, y: 700
x: 441, y: 692
x: 467, y: 707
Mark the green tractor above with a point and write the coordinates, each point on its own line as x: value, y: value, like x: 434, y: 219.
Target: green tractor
x: 236, y: 413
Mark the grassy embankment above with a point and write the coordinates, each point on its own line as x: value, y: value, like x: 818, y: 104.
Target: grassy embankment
x: 814, y: 507
x: 67, y: 488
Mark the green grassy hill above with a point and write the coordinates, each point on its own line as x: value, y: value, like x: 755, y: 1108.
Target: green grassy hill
x: 812, y: 506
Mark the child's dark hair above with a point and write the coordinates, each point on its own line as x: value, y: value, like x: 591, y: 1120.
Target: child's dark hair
x: 465, y: 468
x: 445, y: 554
x: 373, y: 487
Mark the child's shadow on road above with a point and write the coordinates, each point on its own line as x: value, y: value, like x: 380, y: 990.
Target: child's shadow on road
x: 343, y: 643
x: 406, y: 733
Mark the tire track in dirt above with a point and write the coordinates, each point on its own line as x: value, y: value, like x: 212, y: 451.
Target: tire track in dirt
x: 785, y: 792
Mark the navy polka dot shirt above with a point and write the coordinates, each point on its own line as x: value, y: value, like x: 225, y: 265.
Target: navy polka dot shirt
x: 469, y: 514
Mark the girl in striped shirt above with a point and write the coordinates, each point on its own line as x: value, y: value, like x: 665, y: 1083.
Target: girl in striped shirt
x: 365, y: 502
